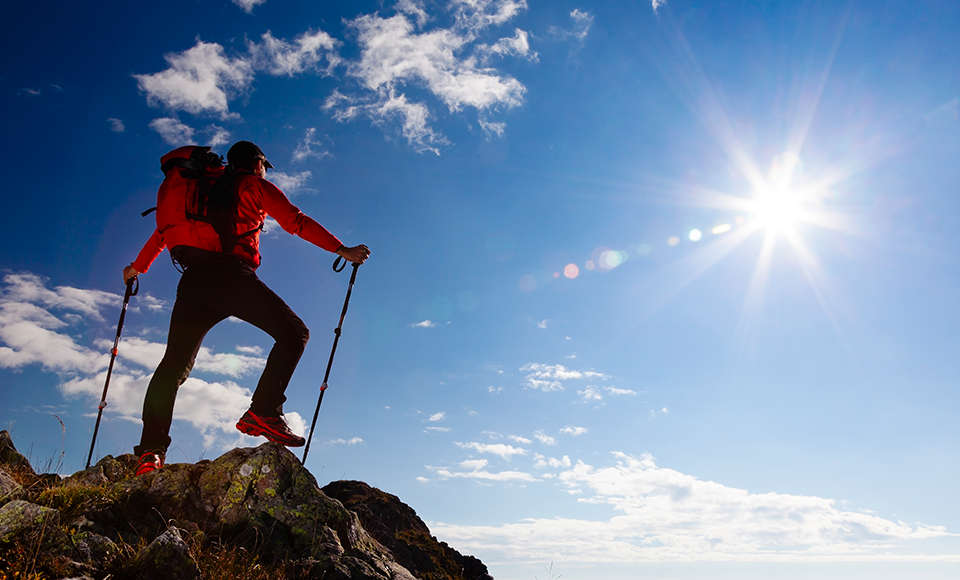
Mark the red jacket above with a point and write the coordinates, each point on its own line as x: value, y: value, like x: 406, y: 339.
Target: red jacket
x: 258, y: 198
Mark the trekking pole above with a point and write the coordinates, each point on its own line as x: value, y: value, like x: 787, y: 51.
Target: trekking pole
x: 336, y: 339
x: 131, y: 291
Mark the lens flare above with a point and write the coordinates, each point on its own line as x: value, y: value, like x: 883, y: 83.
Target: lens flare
x: 571, y: 271
x: 695, y: 235
x: 721, y: 229
x: 673, y: 241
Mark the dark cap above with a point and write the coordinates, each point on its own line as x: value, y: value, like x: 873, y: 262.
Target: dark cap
x: 244, y: 153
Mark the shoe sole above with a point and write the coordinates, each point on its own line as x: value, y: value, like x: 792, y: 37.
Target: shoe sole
x: 256, y: 431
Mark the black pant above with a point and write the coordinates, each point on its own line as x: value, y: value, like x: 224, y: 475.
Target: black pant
x: 206, y: 295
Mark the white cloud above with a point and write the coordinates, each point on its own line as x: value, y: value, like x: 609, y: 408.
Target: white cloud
x: 254, y: 350
x: 173, y: 131
x: 490, y: 127
x: 590, y: 393
x: 438, y: 416
x: 150, y: 302
x: 582, y: 21
x: 521, y: 440
x: 501, y: 449
x: 479, y: 14
x: 547, y: 377
x: 351, y: 441
x: 290, y: 183
x: 200, y: 80
x: 218, y: 136
x: 541, y: 462
x: 518, y: 45
x: 395, y: 54
x: 575, y: 431
x: 660, y: 515
x: 413, y: 8
x: 616, y: 391
x: 248, y: 5
x: 657, y: 4
x: 544, y: 438
x: 305, y: 147
x: 423, y: 324
x: 543, y: 323
x: 116, y: 125
x: 305, y: 53
x: 436, y: 429
x: 474, y: 469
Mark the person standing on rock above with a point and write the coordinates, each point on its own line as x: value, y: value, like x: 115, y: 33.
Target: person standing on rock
x: 219, y: 280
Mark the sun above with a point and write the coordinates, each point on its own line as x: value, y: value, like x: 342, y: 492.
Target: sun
x: 779, y: 210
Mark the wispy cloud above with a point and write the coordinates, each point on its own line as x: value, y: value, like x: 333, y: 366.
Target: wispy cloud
x: 544, y: 438
x: 436, y: 429
x: 575, y: 431
x: 501, y: 449
x: 615, y: 391
x: 291, y: 183
x: 438, y: 416
x: 657, y: 4
x: 548, y: 377
x: 305, y: 148
x: 340, y: 441
x: 423, y: 324
x: 665, y: 515
x: 541, y: 462
x: 304, y: 54
x: 590, y: 394
x: 476, y: 469
x: 582, y: 21
x: 116, y: 125
x: 248, y: 5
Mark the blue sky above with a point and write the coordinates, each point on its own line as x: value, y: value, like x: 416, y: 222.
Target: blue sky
x: 658, y: 290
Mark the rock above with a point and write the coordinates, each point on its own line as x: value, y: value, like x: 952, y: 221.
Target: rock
x: 9, y: 488
x: 96, y: 550
x: 10, y: 457
x: 397, y: 526
x: 167, y: 557
x: 27, y: 523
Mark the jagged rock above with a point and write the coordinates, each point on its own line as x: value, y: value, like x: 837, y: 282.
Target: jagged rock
x: 10, y: 457
x: 397, y: 526
x: 168, y: 556
x: 29, y: 523
x: 107, y: 470
x: 261, y: 500
x: 9, y: 488
x: 96, y: 550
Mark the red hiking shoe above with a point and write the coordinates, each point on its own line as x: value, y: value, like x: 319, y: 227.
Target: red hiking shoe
x: 273, y: 428
x: 149, y: 461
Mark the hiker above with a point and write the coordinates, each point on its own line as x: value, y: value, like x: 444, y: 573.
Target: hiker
x: 219, y: 282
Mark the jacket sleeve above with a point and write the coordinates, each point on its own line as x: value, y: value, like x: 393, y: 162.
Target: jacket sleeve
x: 149, y: 253
x: 294, y: 221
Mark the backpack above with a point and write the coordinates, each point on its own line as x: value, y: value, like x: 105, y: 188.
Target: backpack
x: 197, y: 207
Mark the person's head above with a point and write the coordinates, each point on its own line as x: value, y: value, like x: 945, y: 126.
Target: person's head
x: 246, y: 155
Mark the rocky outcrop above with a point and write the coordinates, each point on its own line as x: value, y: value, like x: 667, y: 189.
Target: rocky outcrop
x: 258, y: 503
x: 397, y: 526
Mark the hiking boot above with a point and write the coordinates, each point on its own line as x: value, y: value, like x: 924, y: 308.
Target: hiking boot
x: 149, y: 461
x: 273, y: 428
